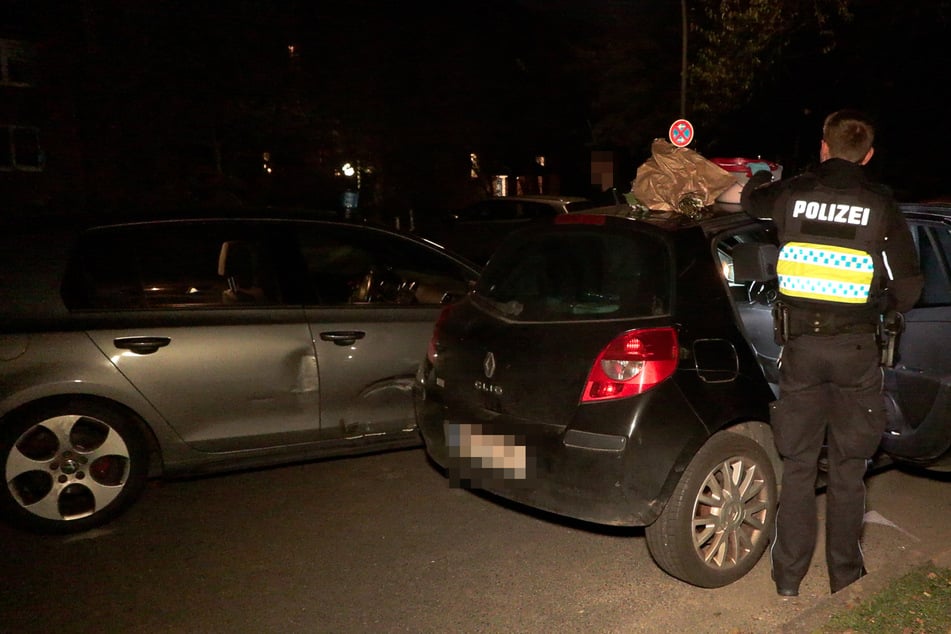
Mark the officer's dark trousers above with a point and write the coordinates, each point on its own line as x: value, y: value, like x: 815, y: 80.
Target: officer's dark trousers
x: 830, y: 390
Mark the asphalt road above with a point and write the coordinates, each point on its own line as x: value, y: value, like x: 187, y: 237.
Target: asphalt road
x: 381, y: 543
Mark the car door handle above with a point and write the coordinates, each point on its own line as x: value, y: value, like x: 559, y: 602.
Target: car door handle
x: 141, y: 345
x: 343, y: 337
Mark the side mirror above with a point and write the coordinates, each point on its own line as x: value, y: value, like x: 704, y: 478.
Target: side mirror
x: 754, y: 262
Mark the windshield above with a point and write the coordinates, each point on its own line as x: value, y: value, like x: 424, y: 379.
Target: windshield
x: 578, y: 273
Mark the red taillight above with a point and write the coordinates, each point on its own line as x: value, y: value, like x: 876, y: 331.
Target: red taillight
x: 633, y: 363
x: 437, y: 332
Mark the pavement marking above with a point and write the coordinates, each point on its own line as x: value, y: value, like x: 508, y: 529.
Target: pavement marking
x: 874, y: 517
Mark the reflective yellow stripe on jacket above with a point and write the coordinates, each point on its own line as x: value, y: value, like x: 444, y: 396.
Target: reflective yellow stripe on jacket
x: 826, y: 273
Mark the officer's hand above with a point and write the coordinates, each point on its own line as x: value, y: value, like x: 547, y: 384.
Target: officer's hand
x: 893, y: 321
x: 759, y: 178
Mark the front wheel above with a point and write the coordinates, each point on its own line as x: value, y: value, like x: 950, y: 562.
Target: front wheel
x: 70, y: 467
x: 720, y: 517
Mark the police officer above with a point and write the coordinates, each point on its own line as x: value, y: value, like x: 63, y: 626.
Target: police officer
x: 846, y: 258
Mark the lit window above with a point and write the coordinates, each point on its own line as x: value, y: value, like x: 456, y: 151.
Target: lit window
x: 473, y: 165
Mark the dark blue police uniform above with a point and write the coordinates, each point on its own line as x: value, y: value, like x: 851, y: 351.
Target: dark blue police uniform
x: 846, y: 257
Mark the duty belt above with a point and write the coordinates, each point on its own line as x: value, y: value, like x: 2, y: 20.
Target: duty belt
x: 825, y: 324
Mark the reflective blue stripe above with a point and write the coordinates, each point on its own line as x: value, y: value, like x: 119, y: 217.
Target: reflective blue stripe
x: 827, y: 258
x: 792, y: 285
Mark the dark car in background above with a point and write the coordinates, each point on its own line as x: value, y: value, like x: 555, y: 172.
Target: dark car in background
x: 177, y: 347
x: 477, y: 228
x: 620, y: 371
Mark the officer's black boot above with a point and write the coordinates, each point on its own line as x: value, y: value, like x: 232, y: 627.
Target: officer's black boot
x: 785, y: 588
x: 838, y: 584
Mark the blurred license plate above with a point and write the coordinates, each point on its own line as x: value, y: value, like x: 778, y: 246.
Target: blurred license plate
x: 495, y: 452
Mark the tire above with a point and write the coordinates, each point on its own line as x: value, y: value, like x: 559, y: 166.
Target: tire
x: 69, y: 467
x: 720, y: 517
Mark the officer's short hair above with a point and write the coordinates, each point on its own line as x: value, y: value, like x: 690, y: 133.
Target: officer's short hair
x: 849, y: 134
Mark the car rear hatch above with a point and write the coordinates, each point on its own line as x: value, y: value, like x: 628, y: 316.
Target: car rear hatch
x: 535, y: 338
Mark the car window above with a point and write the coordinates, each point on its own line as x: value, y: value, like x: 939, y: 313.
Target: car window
x: 157, y: 266
x: 357, y: 265
x: 934, y: 255
x: 577, y: 273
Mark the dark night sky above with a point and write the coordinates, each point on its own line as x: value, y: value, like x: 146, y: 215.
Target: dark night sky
x: 502, y: 75
x: 418, y: 60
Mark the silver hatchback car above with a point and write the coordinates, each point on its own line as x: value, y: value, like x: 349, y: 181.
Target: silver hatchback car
x: 179, y: 347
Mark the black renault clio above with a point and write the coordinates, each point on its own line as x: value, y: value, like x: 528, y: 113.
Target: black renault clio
x: 620, y: 371
x: 598, y: 371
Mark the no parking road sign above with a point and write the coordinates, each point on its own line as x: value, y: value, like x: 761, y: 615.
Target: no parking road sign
x: 681, y: 133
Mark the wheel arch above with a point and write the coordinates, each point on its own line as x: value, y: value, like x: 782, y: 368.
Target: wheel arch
x: 758, y: 431
x: 762, y: 434
x: 671, y: 537
x: 156, y: 462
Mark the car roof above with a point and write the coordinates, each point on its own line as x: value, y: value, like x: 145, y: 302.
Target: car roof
x: 553, y: 198
x: 97, y: 218
x: 721, y: 216
x: 224, y: 219
x: 270, y: 217
x: 69, y: 228
x: 934, y: 210
x: 715, y: 217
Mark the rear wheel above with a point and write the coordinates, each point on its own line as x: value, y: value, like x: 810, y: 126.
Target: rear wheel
x: 70, y: 467
x: 719, y: 520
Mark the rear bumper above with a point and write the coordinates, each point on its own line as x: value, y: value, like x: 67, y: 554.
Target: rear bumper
x: 604, y: 478
x: 586, y: 484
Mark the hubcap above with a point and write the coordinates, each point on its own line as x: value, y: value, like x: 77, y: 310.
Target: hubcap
x: 730, y: 513
x: 67, y: 467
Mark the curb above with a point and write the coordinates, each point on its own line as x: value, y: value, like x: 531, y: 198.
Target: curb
x: 816, y: 617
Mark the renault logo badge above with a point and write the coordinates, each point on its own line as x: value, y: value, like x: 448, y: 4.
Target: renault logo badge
x: 489, y: 365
